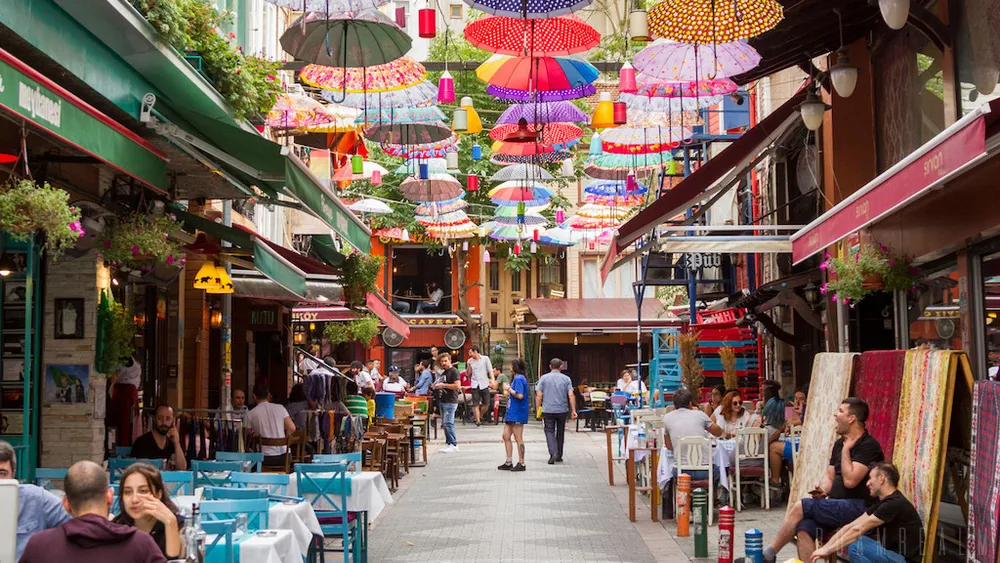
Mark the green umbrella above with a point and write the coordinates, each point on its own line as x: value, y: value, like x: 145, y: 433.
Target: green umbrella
x: 350, y: 39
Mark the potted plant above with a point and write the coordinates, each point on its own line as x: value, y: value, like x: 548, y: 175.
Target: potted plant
x: 692, y: 372
x: 360, y: 271
x: 141, y: 242
x: 115, y: 334
x: 728, y: 357
x: 873, y: 268
x: 362, y: 329
x: 27, y: 208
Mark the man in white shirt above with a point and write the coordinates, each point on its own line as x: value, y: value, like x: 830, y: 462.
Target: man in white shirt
x: 481, y: 373
x: 268, y: 420
x: 434, y: 296
x: 362, y: 377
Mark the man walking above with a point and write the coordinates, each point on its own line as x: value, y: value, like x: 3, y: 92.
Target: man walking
x: 450, y: 387
x: 554, y: 392
x: 481, y: 372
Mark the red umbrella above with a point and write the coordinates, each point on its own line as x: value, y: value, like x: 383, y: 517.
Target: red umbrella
x: 564, y: 35
x: 552, y: 133
x: 521, y: 149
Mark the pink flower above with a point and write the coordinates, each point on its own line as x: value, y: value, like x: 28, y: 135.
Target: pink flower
x: 272, y: 77
x: 135, y: 249
x: 170, y: 259
x: 892, y: 263
x: 827, y: 256
x: 824, y: 265
x: 834, y: 298
x: 232, y: 35
x: 823, y: 289
x: 107, y: 244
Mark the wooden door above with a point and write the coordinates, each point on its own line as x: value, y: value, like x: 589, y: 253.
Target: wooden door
x: 504, y: 289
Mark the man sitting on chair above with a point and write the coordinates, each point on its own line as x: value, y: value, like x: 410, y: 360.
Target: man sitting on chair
x: 434, y: 296
x: 687, y: 422
x: 269, y: 420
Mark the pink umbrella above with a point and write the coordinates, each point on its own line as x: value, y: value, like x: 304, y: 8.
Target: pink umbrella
x: 297, y: 111
x: 649, y: 86
x: 673, y: 62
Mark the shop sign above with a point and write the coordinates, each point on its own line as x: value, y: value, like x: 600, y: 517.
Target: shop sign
x: 264, y: 318
x: 697, y: 261
x: 418, y: 238
x: 435, y: 322
x: 321, y: 315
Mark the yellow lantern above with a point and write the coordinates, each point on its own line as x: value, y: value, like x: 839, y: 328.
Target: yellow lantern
x: 224, y: 284
x: 205, y: 278
x: 475, y: 124
x: 604, y: 115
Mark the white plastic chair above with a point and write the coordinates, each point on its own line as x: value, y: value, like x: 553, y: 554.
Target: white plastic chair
x: 795, y: 435
x: 752, y: 444
x: 695, y: 454
x: 642, y: 415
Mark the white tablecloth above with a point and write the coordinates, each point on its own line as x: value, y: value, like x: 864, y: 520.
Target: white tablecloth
x: 281, y: 548
x: 299, y: 518
x: 723, y: 453
x: 369, y: 493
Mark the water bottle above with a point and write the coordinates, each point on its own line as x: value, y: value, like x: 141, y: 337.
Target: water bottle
x: 195, y: 537
x: 640, y: 440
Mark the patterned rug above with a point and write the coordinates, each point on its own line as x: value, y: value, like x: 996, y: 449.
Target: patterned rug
x: 878, y: 380
x: 918, y: 454
x: 831, y: 381
x: 984, y: 494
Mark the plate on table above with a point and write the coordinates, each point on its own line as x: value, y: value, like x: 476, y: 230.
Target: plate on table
x: 267, y: 533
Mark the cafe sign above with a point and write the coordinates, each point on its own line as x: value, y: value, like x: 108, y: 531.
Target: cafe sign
x: 265, y: 317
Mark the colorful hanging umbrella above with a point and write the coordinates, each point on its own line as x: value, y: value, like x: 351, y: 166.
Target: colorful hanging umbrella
x: 396, y: 75
x: 674, y: 62
x: 530, y: 172
x: 460, y: 228
x: 542, y: 74
x: 649, y: 86
x: 589, y: 224
x: 350, y: 142
x: 346, y: 39
x: 713, y: 21
x: 295, y: 111
x: 613, y: 188
x: 529, y: 9
x: 439, y: 187
x: 643, y: 140
x: 564, y: 35
x: 529, y: 220
x: 552, y: 133
x: 438, y: 149
x: 641, y: 118
x: 593, y: 211
x: 557, y: 236
x: 441, y: 207
x: 408, y: 133
x: 369, y: 168
x: 544, y: 158
x: 548, y: 112
x: 507, y: 232
x: 658, y: 103
x: 450, y: 218
x: 412, y: 167
x: 342, y: 121
x: 421, y: 94
x: 411, y: 114
x: 515, y: 95
x: 370, y: 206
x: 520, y: 149
x: 328, y: 6
x: 509, y: 193
x: 615, y: 200
x: 616, y: 166
x: 510, y: 211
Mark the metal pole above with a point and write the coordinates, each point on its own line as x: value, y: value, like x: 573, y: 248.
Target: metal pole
x: 692, y: 277
x: 226, y: 393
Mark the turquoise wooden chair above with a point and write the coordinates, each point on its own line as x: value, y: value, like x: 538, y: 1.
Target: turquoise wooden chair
x: 221, y: 531
x: 255, y: 510
x: 116, y: 503
x: 353, y: 460
x: 256, y: 458
x: 328, y: 495
x: 118, y: 465
x: 230, y: 493
x: 125, y: 451
x: 45, y: 475
x: 214, y: 473
x: 274, y: 483
x: 178, y: 482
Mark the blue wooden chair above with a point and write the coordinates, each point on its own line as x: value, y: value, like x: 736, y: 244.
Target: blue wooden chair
x: 125, y: 451
x: 353, y: 460
x: 178, y: 482
x: 221, y: 531
x: 117, y: 465
x: 45, y: 475
x: 256, y: 458
x: 255, y: 509
x: 214, y: 473
x: 274, y: 483
x: 116, y: 503
x: 329, y: 499
x: 230, y: 493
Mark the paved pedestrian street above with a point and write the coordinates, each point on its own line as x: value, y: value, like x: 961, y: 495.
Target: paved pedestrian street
x: 460, y: 508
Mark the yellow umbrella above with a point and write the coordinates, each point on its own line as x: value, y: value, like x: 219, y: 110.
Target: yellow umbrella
x: 486, y: 70
x: 713, y: 21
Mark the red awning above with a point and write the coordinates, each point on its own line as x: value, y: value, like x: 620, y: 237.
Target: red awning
x: 598, y: 314
x: 954, y: 150
x: 321, y: 314
x: 381, y: 309
x: 693, y: 189
x: 308, y: 265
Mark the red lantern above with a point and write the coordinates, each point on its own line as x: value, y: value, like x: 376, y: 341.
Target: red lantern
x: 535, y: 235
x: 427, y: 23
x: 401, y: 17
x: 620, y: 113
x: 472, y: 183
x: 517, y: 248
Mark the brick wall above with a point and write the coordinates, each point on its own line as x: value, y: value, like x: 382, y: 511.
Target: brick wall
x: 70, y: 433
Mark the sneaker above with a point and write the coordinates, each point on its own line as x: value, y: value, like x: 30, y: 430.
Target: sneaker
x: 552, y: 460
x: 448, y: 449
x: 508, y: 466
x: 518, y: 467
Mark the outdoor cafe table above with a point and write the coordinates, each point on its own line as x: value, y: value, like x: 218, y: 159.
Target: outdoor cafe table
x: 723, y: 455
x: 368, y: 492
x: 278, y: 546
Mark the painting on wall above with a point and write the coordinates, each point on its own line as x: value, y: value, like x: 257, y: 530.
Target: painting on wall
x: 69, y: 318
x: 66, y: 384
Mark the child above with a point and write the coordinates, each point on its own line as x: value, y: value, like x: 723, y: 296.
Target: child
x: 369, y: 394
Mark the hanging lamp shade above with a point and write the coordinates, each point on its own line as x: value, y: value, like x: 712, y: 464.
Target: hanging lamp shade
x: 638, y: 25
x: 446, y: 89
x: 223, y: 283
x: 475, y: 124
x: 844, y: 75
x: 560, y: 215
x: 358, y: 164
x: 472, y: 183
x: 477, y: 152
x: 424, y: 170
x: 401, y: 17
x: 460, y: 121
x: 486, y: 256
x: 620, y: 113
x: 812, y: 110
x: 376, y: 178
x: 205, y: 278
x: 426, y: 23
x: 567, y: 168
x: 452, y: 158
x: 517, y: 248
x: 626, y: 79
x: 895, y: 12
x: 595, y: 145
x: 604, y: 115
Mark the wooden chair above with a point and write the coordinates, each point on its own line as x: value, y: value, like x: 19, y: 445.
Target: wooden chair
x: 275, y: 483
x: 420, y: 423
x: 621, y: 434
x: 178, y: 482
x: 695, y: 453
x: 372, y: 454
x: 297, y: 446
x: 285, y: 467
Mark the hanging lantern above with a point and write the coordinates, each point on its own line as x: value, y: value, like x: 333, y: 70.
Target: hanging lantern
x: 604, y: 115
x: 475, y: 123
x: 595, y: 145
x: 620, y: 113
x: 446, y: 88
x: 358, y: 164
x: 844, y: 75
x: 567, y: 168
x: 560, y: 216
x: 376, y: 177
x: 894, y: 12
x: 631, y: 184
x: 486, y: 256
x: 812, y: 110
x: 452, y: 159
x: 406, y: 234
x: 460, y: 122
x: 626, y: 79
x: 472, y: 183
x: 638, y: 25
x: 517, y: 248
x: 465, y: 245
x: 535, y: 235
x: 427, y: 23
x: 223, y: 283
x: 205, y: 278
x: 520, y: 212
x: 425, y: 170
x: 401, y: 17
x: 534, y: 247
x: 590, y: 245
x: 477, y: 152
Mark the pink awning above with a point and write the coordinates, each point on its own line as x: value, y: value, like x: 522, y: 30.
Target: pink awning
x: 381, y: 309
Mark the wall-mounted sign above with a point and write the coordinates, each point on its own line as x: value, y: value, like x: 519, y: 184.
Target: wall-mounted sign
x: 434, y: 322
x: 264, y: 317
x: 698, y: 261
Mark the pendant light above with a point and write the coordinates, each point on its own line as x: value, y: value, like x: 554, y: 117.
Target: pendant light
x: 465, y: 246
x: 424, y: 170
x: 812, y: 110
x: 446, y: 88
x: 427, y: 23
x: 357, y: 164
x: 638, y: 25
x: 475, y: 124
x: 567, y: 168
x: 460, y: 121
x: 595, y: 144
x: 205, y: 278
x: 401, y: 17
x: 7, y: 266
x: 223, y: 283
x: 486, y: 256
x: 626, y: 79
x: 843, y: 74
x: 535, y: 236
x: 477, y: 152
x: 894, y: 12
x: 604, y: 115
x: 517, y: 248
x: 620, y: 113
x: 405, y: 235
x: 376, y: 177
x: 560, y: 216
x: 472, y: 183
x: 534, y: 246
x: 451, y: 157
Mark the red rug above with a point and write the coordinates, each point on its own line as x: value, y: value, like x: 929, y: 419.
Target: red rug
x: 984, y: 496
x: 877, y: 381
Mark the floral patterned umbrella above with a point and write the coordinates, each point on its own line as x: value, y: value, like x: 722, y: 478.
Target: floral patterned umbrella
x: 657, y: 103
x: 441, y: 207
x: 411, y: 114
x: 579, y: 223
x: 541, y: 74
x: 439, y: 187
x: 615, y: 200
x: 653, y: 87
x: 421, y: 94
x: 642, y: 118
x: 395, y: 233
x: 438, y: 149
x: 297, y: 111
x: 642, y: 140
x: 517, y: 191
x: 547, y: 112
x: 564, y: 35
x: 412, y: 167
x: 552, y: 133
x: 346, y: 39
x: 452, y: 217
x: 459, y: 227
x: 529, y: 172
x: 593, y: 211
x: 617, y: 166
x: 342, y: 120
x: 328, y: 6
x: 543, y: 158
x: 613, y: 188
x: 713, y: 21
x: 396, y: 75
x: 419, y: 133
x: 520, y: 149
x: 670, y: 61
x: 515, y: 95
x: 529, y: 9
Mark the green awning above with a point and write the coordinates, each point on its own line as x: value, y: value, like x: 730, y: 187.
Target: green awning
x: 321, y: 248
x: 192, y: 222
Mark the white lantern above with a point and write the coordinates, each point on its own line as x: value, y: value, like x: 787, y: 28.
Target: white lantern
x: 638, y: 25
x: 567, y: 168
x: 895, y: 12
x: 812, y: 110
x: 461, y: 120
x: 452, y: 159
x: 844, y: 75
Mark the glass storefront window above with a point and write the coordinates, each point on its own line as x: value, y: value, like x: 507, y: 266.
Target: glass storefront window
x: 991, y: 296
x: 933, y: 311
x: 977, y: 52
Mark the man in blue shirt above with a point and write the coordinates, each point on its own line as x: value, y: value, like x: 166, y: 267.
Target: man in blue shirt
x: 37, y: 509
x: 516, y: 417
x: 554, y: 391
x: 424, y: 378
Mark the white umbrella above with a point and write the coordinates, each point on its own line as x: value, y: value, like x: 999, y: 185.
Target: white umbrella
x: 371, y: 206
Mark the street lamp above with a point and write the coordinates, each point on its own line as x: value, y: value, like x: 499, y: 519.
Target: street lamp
x: 894, y: 12
x: 844, y: 75
x: 812, y: 110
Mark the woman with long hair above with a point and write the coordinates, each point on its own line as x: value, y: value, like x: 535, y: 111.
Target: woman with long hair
x: 516, y: 416
x: 145, y: 505
x: 733, y: 416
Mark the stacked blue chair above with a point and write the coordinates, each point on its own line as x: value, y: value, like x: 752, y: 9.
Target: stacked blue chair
x: 255, y: 510
x: 328, y: 496
x: 214, y: 473
x: 273, y: 483
x: 125, y: 451
x: 178, y: 482
x: 664, y: 367
x: 45, y: 475
x: 255, y: 458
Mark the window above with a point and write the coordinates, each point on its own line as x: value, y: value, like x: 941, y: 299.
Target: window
x: 618, y: 284
x: 456, y: 11
x: 515, y: 281
x: 933, y: 311
x: 414, y: 270
x: 552, y: 276
x: 494, y: 276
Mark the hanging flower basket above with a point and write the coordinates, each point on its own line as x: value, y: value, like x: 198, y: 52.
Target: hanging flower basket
x: 873, y: 268
x: 27, y: 208
x: 140, y: 242
x: 873, y: 282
